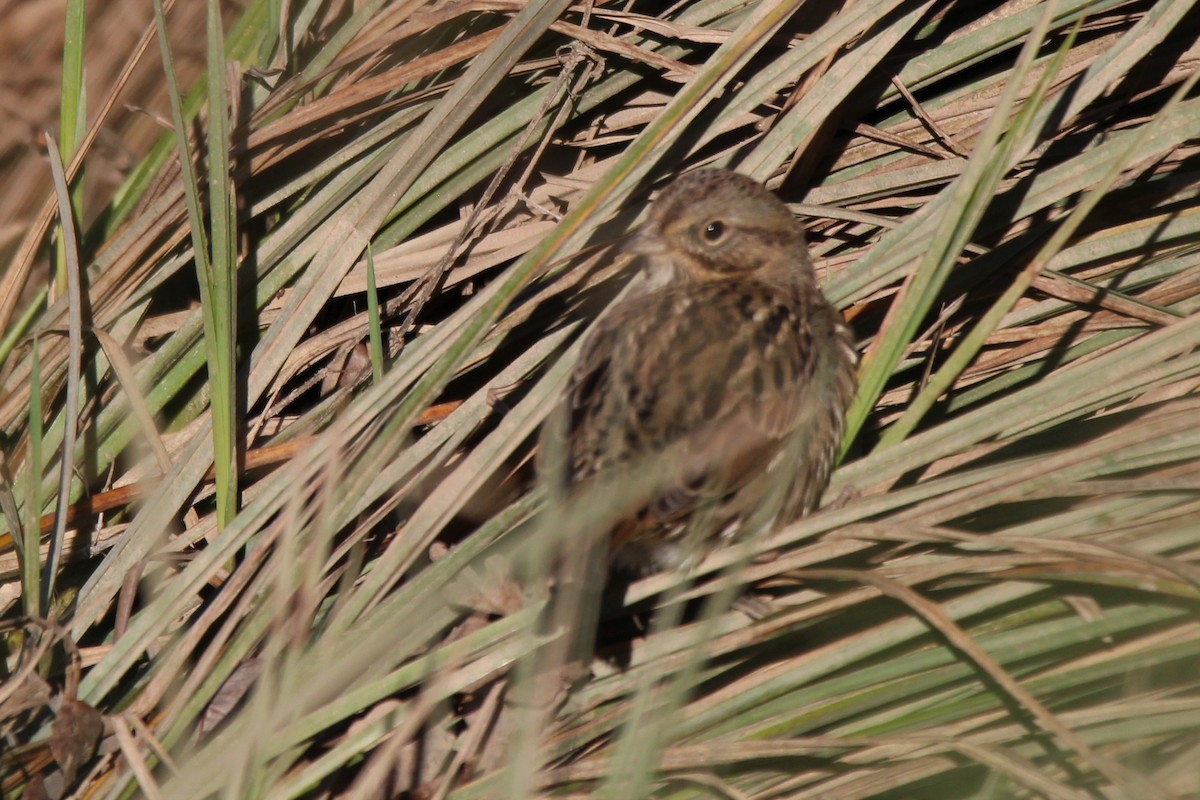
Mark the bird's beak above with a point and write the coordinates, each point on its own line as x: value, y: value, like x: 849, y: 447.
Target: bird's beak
x: 646, y: 241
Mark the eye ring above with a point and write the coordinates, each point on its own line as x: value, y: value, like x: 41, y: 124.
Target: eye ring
x: 714, y: 231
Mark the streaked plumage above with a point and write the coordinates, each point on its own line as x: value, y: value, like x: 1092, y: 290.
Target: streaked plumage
x: 729, y: 359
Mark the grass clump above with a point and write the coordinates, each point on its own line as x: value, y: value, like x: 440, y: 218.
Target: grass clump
x: 261, y: 570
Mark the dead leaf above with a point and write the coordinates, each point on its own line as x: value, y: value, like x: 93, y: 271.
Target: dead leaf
x: 74, y: 736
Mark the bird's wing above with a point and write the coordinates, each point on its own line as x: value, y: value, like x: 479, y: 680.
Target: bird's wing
x: 717, y: 376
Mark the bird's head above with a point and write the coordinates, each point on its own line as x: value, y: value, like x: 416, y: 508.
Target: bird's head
x: 713, y: 224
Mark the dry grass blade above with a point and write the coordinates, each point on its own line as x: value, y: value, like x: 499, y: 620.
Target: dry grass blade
x: 74, y: 375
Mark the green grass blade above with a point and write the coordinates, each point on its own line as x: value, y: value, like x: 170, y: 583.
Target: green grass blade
x: 31, y: 530
x: 373, y: 315
x: 220, y: 273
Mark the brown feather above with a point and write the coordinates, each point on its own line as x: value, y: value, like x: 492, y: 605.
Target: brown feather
x: 730, y: 363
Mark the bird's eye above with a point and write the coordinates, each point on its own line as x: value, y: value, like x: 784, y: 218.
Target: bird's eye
x: 714, y: 231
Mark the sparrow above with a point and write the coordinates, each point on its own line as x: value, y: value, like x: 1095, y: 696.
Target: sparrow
x: 716, y: 391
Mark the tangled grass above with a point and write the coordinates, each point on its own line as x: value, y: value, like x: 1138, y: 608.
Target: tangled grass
x: 265, y: 408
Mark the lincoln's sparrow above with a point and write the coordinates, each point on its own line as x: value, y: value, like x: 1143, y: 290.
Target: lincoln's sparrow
x: 727, y: 369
